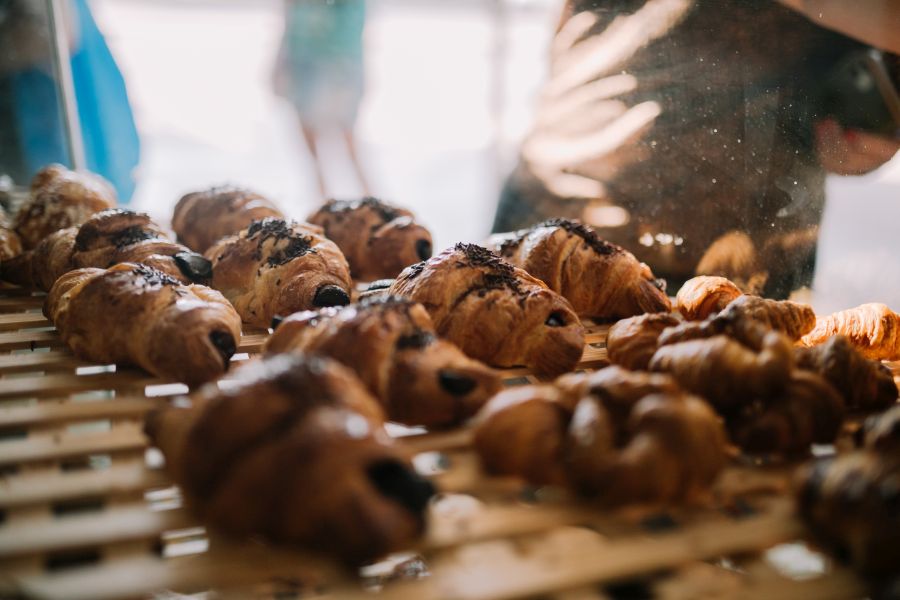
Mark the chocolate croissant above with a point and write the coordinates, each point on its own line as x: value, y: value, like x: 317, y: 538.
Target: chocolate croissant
x: 612, y: 435
x: 378, y: 239
x: 393, y: 347
x: 632, y: 342
x: 493, y: 311
x: 61, y: 198
x: 107, y: 238
x: 132, y: 314
x: 874, y: 329
x: 600, y: 279
x: 277, y: 267
x: 202, y: 218
x: 704, y: 296
x: 294, y: 451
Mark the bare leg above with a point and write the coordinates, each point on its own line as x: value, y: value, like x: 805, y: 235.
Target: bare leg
x: 350, y: 140
x: 310, y: 137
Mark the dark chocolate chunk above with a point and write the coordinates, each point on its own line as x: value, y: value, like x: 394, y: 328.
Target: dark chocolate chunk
x: 331, y: 295
x: 194, y: 266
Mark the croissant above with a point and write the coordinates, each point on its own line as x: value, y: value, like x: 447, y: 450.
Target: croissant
x: 378, y: 239
x: 392, y: 346
x: 277, y: 267
x: 10, y: 243
x: 294, y: 451
x: 705, y: 295
x: 632, y: 342
x: 107, y: 238
x: 493, y: 311
x: 874, y: 329
x: 202, y: 218
x: 132, y: 314
x: 600, y: 279
x: 882, y: 432
x: 863, y: 383
x: 613, y: 436
x: 61, y: 198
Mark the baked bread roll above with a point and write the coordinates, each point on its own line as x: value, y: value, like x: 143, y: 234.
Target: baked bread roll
x: 874, y: 329
x: 203, y: 218
x: 632, y: 342
x: 391, y: 344
x: 378, y: 239
x: 107, y: 238
x: 10, y: 243
x: 705, y: 295
x: 132, y: 314
x: 614, y: 436
x: 277, y: 267
x: 493, y: 311
x: 600, y: 279
x: 294, y: 451
x: 61, y: 198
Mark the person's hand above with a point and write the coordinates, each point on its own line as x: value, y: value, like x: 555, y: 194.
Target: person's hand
x: 849, y: 151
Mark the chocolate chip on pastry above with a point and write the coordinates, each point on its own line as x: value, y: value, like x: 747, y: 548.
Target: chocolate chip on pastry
x: 874, y: 329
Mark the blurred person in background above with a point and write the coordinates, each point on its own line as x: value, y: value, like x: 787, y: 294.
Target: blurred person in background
x: 320, y: 71
x: 697, y: 133
x: 32, y: 134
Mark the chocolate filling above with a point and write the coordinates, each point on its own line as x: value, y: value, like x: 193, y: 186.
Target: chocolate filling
x: 330, y: 295
x: 194, y: 266
x: 400, y: 483
x: 423, y: 249
x: 456, y: 383
x: 224, y: 343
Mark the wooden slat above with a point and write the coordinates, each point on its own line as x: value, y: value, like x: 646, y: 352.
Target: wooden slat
x: 54, y: 385
x: 43, y: 488
x: 29, y: 340
x: 46, y: 413
x: 16, y: 321
x: 62, y: 446
x: 54, y: 360
x: 11, y: 304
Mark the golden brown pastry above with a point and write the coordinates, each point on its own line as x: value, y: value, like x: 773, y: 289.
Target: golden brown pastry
x: 864, y: 384
x: 735, y: 257
x: 132, y: 314
x: 874, y: 329
x: 392, y: 346
x: 600, y: 279
x: 203, y: 218
x: 612, y: 435
x: 10, y: 243
x: 705, y: 295
x: 493, y: 311
x: 61, y: 198
x: 277, y: 267
x: 294, y: 451
x: 107, y: 238
x: 632, y: 342
x: 378, y: 239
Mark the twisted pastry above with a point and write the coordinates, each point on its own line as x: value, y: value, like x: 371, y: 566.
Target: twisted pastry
x: 600, y: 279
x: 632, y: 342
x: 705, y: 295
x: 392, y: 346
x: 107, y: 238
x: 294, y: 451
x: 612, y: 435
x: 493, y: 311
x: 202, y: 218
x: 378, y: 239
x: 133, y: 314
x: 874, y: 329
x: 276, y: 267
x: 61, y: 198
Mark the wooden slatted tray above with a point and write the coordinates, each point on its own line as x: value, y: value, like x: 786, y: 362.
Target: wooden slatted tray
x: 87, y: 511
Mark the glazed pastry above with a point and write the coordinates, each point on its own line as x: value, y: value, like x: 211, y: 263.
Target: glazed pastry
x: 493, y: 311
x: 378, y: 239
x: 392, y: 345
x: 277, y: 267
x: 864, y: 384
x: 203, y: 218
x: 614, y: 436
x: 600, y: 279
x: 133, y: 314
x: 61, y: 198
x: 874, y: 329
x: 10, y: 244
x: 705, y: 295
x: 632, y: 342
x: 107, y: 238
x: 294, y: 451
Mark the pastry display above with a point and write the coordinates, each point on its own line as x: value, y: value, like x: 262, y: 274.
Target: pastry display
x: 202, y: 218
x: 276, y: 267
x: 495, y: 312
x: 600, y: 279
x: 132, y: 314
x: 392, y: 346
x: 632, y: 342
x: 378, y: 239
x: 61, y: 198
x: 294, y: 451
x: 874, y: 329
x: 704, y: 296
